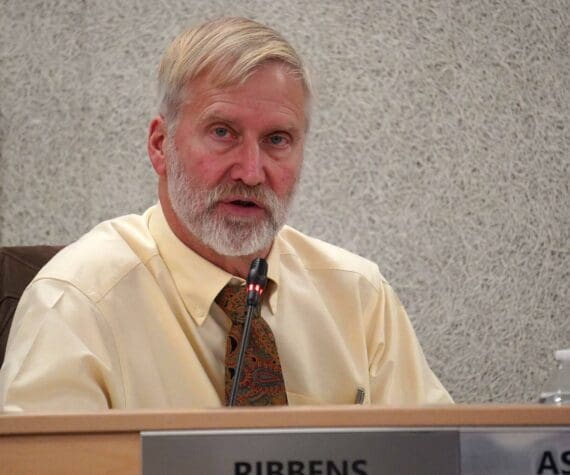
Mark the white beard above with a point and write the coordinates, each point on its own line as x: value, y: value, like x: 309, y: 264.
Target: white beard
x: 195, y: 206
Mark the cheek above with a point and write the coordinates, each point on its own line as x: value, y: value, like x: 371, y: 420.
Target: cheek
x: 285, y: 179
x: 198, y: 159
x: 202, y: 168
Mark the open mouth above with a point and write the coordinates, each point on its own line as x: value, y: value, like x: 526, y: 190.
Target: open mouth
x: 244, y: 204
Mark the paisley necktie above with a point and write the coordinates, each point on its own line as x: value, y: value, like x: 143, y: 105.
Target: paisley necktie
x: 261, y: 378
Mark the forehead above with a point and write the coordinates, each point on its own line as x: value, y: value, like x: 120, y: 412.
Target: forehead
x: 271, y: 92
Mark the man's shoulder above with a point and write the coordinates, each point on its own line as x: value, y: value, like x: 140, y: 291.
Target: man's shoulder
x: 103, y: 256
x: 315, y: 254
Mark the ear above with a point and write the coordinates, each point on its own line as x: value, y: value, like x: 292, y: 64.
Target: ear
x: 156, y: 144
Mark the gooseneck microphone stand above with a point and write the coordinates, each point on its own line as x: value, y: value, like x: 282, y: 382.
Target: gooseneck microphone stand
x: 256, y: 282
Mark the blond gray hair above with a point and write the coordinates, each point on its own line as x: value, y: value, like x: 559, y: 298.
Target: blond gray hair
x: 229, y: 50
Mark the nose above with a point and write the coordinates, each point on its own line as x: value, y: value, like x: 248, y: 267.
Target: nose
x: 248, y: 166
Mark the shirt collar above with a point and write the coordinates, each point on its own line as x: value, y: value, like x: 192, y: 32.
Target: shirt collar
x: 273, y: 267
x: 199, y: 281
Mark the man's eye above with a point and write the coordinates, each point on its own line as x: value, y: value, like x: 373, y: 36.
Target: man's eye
x: 277, y: 140
x: 221, y: 132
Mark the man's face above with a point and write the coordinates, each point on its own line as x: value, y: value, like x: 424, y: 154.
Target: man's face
x: 234, y: 160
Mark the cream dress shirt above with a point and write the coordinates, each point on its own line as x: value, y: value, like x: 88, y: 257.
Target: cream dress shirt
x: 125, y: 318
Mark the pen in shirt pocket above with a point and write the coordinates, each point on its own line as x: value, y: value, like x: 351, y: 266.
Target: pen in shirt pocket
x: 360, y: 394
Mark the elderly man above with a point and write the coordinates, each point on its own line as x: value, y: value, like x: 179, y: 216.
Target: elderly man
x: 146, y: 311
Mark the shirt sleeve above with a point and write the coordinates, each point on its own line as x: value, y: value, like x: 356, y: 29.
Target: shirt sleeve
x: 60, y: 355
x: 399, y: 372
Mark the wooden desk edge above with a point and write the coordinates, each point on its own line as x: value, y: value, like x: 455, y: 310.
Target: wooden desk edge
x: 298, y: 417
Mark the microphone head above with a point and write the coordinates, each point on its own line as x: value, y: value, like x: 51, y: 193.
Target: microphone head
x: 256, y: 281
x: 258, y: 272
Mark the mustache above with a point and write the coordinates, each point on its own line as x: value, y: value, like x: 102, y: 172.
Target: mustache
x: 260, y: 193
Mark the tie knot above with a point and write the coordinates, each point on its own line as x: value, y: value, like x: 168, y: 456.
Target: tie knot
x: 232, y: 300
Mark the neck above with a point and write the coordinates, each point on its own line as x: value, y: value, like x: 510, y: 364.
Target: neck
x: 235, y: 265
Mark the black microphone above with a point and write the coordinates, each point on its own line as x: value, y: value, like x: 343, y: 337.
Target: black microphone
x: 256, y: 281
x: 255, y: 284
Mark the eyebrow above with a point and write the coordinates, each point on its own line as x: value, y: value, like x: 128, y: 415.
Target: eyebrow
x: 216, y: 117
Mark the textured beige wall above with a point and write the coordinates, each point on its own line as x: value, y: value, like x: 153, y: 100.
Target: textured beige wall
x: 439, y: 149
